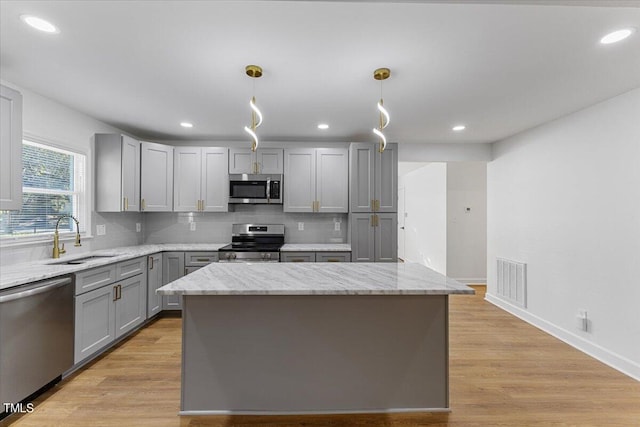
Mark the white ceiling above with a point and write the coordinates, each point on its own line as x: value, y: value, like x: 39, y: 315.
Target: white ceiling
x: 497, y: 66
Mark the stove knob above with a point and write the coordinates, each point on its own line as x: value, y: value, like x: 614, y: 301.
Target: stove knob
x: 267, y: 256
x: 234, y: 256
x: 229, y: 256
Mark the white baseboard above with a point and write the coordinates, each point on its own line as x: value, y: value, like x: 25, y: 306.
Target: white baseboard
x: 620, y: 363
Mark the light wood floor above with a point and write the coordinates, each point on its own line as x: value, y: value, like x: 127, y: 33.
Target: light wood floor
x: 503, y: 372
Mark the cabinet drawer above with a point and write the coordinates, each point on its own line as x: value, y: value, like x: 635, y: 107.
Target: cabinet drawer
x: 297, y: 256
x: 199, y: 259
x: 333, y: 256
x: 131, y: 268
x: 95, y: 278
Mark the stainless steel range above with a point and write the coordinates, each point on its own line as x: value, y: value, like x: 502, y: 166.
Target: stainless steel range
x: 253, y: 243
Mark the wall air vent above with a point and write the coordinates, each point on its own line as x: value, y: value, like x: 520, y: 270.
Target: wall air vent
x: 512, y: 282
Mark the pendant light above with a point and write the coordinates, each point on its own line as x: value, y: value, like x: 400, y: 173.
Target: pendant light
x: 254, y: 71
x: 382, y: 74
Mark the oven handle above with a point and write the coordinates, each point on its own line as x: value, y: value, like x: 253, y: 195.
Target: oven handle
x: 46, y: 286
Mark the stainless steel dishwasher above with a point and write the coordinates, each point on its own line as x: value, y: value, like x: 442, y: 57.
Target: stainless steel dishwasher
x: 36, y: 338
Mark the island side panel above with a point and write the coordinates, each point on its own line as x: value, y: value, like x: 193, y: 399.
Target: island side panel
x: 314, y: 353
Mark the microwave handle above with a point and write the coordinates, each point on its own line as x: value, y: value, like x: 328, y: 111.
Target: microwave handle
x: 268, y: 189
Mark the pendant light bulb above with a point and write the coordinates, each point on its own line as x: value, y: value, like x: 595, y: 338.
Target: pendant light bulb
x: 384, y: 113
x: 254, y: 137
x: 253, y: 106
x: 383, y: 139
x: 382, y: 74
x: 254, y: 71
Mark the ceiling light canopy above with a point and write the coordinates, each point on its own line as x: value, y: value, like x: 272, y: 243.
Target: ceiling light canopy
x: 617, y: 36
x: 254, y: 71
x: 40, y: 24
x: 382, y: 74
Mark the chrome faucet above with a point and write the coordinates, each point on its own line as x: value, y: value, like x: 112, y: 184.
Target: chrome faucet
x: 57, y: 250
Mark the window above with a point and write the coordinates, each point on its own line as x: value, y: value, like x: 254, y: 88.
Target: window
x: 52, y: 185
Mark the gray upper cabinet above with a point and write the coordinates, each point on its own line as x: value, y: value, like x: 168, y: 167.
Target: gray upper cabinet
x: 201, y: 179
x: 156, y: 181
x: 316, y: 180
x: 262, y: 161
x: 374, y: 178
x: 117, y: 192
x: 11, y: 149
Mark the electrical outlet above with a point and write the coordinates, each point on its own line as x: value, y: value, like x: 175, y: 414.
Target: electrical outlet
x: 336, y: 226
x: 138, y: 227
x: 582, y: 321
x: 192, y: 226
x: 101, y: 229
x: 301, y: 226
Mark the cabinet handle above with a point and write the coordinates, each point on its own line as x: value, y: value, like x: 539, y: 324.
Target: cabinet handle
x: 201, y: 205
x: 126, y: 199
x: 373, y: 205
x: 297, y: 259
x: 151, y: 261
x: 377, y: 205
x: 124, y: 203
x: 374, y: 220
x: 143, y: 204
x: 115, y: 293
x: 333, y: 260
x: 119, y: 291
x: 203, y: 259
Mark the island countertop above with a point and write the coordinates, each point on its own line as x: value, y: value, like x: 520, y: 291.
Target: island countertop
x: 315, y: 279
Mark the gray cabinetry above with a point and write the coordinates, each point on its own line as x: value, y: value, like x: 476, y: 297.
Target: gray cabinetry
x: 315, y: 257
x: 297, y: 257
x: 317, y: 180
x: 374, y: 178
x: 154, y: 281
x: 201, y: 179
x: 11, y: 149
x: 374, y: 237
x: 262, y: 161
x: 117, y: 172
x: 156, y: 181
x: 172, y: 269
x: 110, y: 302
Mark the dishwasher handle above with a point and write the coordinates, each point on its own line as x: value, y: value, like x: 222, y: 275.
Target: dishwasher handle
x: 44, y: 287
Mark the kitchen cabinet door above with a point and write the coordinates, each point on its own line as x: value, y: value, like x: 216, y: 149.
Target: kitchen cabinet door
x: 297, y: 257
x: 187, y: 179
x: 214, y: 182
x: 332, y: 177
x: 262, y: 161
x: 172, y: 269
x: 11, y: 149
x: 131, y: 305
x: 386, y: 237
x: 373, y: 178
x: 362, y: 237
x: 156, y: 182
x: 386, y: 179
x: 300, y: 180
x: 95, y: 325
x: 154, y: 281
x: 117, y: 171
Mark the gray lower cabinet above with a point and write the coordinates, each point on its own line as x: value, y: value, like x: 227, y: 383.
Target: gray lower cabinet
x: 315, y: 257
x: 110, y: 311
x: 154, y: 281
x: 172, y: 269
x: 374, y: 237
x: 178, y: 264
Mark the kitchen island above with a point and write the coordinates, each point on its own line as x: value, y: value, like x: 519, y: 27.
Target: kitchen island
x: 288, y: 338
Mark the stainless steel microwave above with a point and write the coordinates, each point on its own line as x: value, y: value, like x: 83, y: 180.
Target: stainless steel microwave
x: 252, y: 188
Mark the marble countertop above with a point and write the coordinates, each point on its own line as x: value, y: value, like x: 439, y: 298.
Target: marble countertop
x: 19, y: 274
x: 315, y: 279
x: 316, y: 247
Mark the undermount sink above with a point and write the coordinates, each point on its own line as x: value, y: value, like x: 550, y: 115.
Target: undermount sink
x: 81, y: 260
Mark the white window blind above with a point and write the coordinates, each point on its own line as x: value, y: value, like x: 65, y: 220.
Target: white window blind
x: 52, y: 186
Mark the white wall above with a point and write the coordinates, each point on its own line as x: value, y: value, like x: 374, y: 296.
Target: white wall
x: 467, y: 221
x: 426, y: 220
x: 68, y: 128
x: 565, y: 199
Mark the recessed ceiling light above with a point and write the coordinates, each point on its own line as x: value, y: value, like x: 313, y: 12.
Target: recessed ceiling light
x: 617, y: 36
x: 323, y: 126
x: 39, y: 24
x: 458, y: 128
x: 186, y: 124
